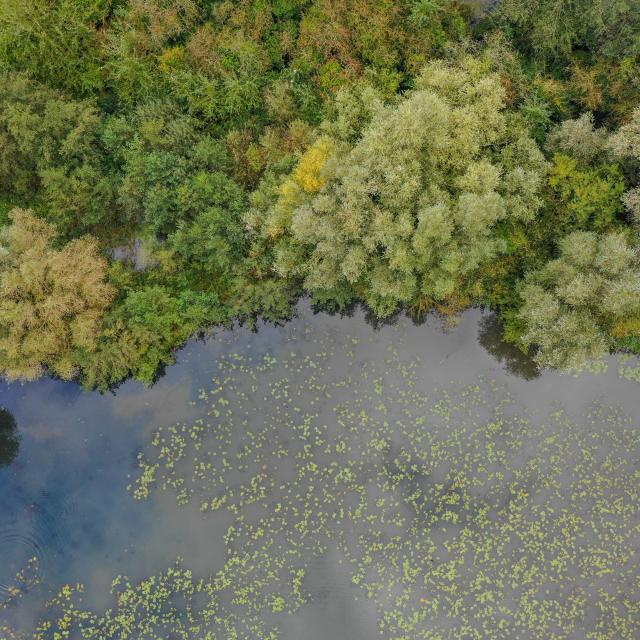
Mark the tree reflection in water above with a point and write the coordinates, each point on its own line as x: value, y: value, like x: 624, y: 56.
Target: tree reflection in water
x: 9, y: 439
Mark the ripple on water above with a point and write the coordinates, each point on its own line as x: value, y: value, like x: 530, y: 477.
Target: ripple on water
x: 22, y: 565
x: 46, y: 521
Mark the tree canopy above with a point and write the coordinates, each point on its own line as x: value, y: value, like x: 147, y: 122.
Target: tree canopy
x: 51, y: 300
x: 408, y: 203
x: 424, y: 155
x: 578, y: 303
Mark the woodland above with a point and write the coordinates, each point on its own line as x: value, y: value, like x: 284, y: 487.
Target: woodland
x: 167, y: 166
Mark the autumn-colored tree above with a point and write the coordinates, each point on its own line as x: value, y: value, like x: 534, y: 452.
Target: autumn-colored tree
x: 51, y: 300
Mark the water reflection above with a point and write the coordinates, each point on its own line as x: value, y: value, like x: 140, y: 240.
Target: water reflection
x: 514, y: 361
x: 9, y: 438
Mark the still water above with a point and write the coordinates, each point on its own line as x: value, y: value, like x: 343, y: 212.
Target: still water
x: 326, y: 479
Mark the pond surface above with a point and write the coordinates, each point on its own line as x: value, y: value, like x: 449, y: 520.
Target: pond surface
x: 326, y: 479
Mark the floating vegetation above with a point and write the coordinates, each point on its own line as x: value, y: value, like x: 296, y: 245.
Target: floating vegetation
x: 594, y: 367
x: 21, y: 567
x: 628, y: 368
x: 159, y: 607
x: 455, y: 513
x: 23, y: 581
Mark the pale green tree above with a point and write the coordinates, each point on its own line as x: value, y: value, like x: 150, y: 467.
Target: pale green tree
x: 402, y: 204
x: 624, y: 144
x: 576, y: 305
x: 579, y: 138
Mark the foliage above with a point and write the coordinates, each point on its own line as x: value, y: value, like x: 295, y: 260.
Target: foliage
x: 579, y: 139
x: 381, y: 151
x: 50, y: 156
x: 141, y: 332
x: 590, y: 196
x: 57, y: 42
x: 415, y: 204
x: 170, y: 169
x: 625, y: 143
x: 552, y: 30
x: 51, y: 300
x: 577, y: 303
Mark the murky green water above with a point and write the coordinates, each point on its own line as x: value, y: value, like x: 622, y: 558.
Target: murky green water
x: 326, y: 479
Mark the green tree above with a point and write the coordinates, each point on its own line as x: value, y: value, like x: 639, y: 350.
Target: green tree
x: 414, y: 197
x: 551, y: 30
x: 171, y: 170
x: 211, y: 247
x: 52, y: 157
x: 577, y: 305
x: 591, y: 196
x: 55, y: 42
x: 51, y: 300
x: 141, y: 332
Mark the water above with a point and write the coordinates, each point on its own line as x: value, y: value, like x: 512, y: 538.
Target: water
x: 326, y: 479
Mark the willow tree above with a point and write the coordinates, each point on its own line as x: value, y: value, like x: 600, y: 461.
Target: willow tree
x: 624, y: 144
x: 577, y: 305
x: 51, y: 300
x: 402, y: 204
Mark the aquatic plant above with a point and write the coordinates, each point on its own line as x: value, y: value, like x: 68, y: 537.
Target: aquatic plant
x: 455, y: 513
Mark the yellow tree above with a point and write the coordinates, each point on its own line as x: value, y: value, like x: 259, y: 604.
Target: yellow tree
x: 51, y: 300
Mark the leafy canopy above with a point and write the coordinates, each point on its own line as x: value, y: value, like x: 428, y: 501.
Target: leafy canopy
x: 577, y: 304
x: 51, y: 300
x: 404, y: 201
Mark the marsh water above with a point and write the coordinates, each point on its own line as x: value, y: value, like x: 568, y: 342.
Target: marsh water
x: 326, y: 479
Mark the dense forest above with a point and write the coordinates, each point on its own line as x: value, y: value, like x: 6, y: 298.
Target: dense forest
x: 170, y: 165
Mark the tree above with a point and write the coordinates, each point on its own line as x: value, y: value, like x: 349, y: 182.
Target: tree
x: 624, y: 144
x: 578, y: 304
x: 551, y: 30
x: 51, y: 300
x: 140, y: 44
x: 52, y: 157
x: 381, y: 40
x: 579, y: 138
x: 212, y: 245
x: 55, y: 42
x: 586, y: 179
x: 407, y: 203
x: 171, y: 170
x: 142, y: 330
x: 589, y: 195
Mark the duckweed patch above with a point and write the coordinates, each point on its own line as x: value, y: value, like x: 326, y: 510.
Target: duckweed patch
x: 454, y: 512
